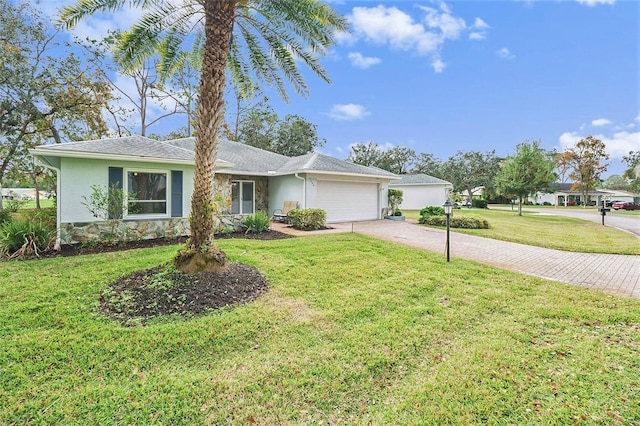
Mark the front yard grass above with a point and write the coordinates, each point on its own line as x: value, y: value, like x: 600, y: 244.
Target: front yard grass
x: 550, y: 231
x: 353, y: 330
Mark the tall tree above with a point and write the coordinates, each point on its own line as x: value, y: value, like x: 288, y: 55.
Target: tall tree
x: 586, y: 160
x: 294, y: 31
x: 471, y: 169
x: 398, y: 159
x: 47, y: 93
x: 527, y: 172
x: 428, y: 164
x: 296, y: 136
x: 633, y: 170
x: 366, y: 154
x: 258, y: 128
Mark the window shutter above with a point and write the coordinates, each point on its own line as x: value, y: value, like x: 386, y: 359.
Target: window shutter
x: 176, y: 193
x: 115, y: 182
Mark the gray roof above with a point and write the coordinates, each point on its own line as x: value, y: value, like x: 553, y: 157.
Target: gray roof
x: 130, y: 146
x: 419, y: 179
x: 240, y: 158
x: 245, y: 158
x: 316, y: 162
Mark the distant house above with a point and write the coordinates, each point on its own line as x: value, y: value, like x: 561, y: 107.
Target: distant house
x: 566, y: 195
x: 420, y: 191
x: 157, y: 180
x: 21, y: 194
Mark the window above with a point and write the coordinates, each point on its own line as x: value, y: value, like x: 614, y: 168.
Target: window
x: 242, y: 197
x: 146, y: 193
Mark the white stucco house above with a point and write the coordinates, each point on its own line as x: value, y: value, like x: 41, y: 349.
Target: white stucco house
x: 420, y: 191
x: 157, y: 180
x: 566, y: 194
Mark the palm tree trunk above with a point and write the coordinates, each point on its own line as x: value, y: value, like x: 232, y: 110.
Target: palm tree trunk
x: 201, y: 254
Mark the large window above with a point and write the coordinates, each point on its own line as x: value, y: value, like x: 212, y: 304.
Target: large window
x: 146, y: 193
x: 242, y: 197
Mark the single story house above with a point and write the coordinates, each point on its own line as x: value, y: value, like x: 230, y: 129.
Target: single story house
x: 156, y: 178
x: 566, y: 195
x: 22, y: 194
x: 420, y: 191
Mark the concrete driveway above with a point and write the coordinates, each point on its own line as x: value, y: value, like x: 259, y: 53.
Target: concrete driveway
x: 612, y: 273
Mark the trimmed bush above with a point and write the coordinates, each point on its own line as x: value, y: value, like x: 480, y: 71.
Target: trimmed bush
x: 462, y: 222
x: 479, y: 204
x: 397, y: 213
x: 256, y: 223
x: 308, y: 219
x: 24, y: 238
x: 430, y: 211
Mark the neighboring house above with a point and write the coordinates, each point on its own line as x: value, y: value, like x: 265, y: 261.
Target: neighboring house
x: 160, y: 176
x: 420, y: 191
x: 566, y: 195
x: 22, y: 194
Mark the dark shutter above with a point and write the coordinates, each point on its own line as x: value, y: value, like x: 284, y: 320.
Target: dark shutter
x: 176, y: 193
x: 115, y: 183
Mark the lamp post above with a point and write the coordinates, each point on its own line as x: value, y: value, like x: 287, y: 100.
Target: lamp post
x: 448, y: 209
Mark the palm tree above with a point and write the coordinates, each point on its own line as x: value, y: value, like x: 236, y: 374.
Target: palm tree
x: 252, y: 39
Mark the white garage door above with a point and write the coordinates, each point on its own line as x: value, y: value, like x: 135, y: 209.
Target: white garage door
x: 347, y: 201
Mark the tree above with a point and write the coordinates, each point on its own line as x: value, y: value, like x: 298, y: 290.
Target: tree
x: 366, y: 154
x: 616, y: 182
x: 585, y: 158
x: 258, y: 128
x: 428, y: 164
x: 468, y: 170
x: 633, y: 170
x: 296, y: 136
x: 527, y: 172
x: 293, y: 31
x: 46, y: 91
x: 398, y: 160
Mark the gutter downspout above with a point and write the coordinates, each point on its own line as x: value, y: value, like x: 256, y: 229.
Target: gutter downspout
x: 57, y: 244
x: 304, y: 191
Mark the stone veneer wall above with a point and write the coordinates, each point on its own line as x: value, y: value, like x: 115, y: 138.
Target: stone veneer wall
x: 132, y: 230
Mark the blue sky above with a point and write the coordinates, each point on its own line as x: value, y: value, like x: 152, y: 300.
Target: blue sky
x: 439, y: 77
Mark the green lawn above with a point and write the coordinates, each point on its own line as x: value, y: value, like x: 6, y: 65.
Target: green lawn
x: 354, y: 330
x: 557, y: 232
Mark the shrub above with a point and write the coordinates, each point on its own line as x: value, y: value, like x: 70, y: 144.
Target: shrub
x: 546, y: 203
x: 462, y: 222
x: 397, y: 213
x: 256, y: 223
x: 395, y: 199
x: 479, y: 204
x: 24, y: 238
x: 308, y: 219
x: 5, y: 216
x: 430, y: 211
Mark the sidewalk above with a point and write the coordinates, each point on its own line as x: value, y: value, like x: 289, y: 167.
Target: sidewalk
x: 619, y: 274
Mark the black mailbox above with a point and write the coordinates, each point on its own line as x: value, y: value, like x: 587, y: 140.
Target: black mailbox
x: 604, y: 211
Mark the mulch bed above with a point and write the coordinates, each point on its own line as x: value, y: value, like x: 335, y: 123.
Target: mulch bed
x: 163, y: 291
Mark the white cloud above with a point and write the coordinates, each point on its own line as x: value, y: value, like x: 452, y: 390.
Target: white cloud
x: 479, y: 24
x: 364, y: 62
x: 442, y: 20
x: 505, y: 53
x: 390, y: 26
x: 348, y: 112
x: 478, y: 30
x: 438, y: 65
x: 600, y: 122
x: 592, y: 3
x: 617, y: 145
x: 638, y: 117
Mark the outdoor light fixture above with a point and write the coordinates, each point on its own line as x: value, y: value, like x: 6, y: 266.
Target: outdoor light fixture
x: 448, y: 209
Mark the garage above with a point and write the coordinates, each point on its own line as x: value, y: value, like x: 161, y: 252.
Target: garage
x: 348, y: 201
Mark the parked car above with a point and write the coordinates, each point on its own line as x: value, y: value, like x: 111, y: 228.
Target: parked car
x: 610, y: 203
x: 625, y: 205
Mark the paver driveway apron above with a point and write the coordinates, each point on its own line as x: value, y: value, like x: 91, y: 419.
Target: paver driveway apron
x: 609, y: 272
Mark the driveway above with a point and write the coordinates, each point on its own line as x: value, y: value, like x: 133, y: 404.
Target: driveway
x: 629, y: 223
x: 612, y: 273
